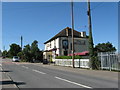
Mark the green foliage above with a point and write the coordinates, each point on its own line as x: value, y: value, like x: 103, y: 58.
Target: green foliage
x: 20, y: 54
x: 14, y: 50
x: 5, y: 53
x: 105, y: 47
x: 91, y: 47
x: 27, y: 53
x: 32, y: 52
x: 95, y: 63
x: 35, y: 50
x: 101, y: 47
x: 68, y: 57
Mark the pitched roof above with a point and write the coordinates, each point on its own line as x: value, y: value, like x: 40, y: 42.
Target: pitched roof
x: 64, y: 33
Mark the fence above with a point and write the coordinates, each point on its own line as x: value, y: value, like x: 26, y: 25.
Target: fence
x: 109, y: 60
x: 83, y: 63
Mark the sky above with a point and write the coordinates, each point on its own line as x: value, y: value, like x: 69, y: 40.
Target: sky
x: 42, y: 20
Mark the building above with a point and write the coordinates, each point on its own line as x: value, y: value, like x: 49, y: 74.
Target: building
x: 61, y: 43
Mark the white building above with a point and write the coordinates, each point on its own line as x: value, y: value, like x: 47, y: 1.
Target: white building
x: 61, y: 43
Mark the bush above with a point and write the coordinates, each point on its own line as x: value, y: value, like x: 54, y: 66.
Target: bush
x: 68, y: 57
x: 95, y: 63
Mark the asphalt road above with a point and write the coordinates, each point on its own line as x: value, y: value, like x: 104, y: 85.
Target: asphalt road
x: 27, y: 75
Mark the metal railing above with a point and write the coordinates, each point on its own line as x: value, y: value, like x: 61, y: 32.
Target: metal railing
x: 109, y: 60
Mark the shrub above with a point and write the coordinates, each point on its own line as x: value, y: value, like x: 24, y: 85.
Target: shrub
x: 95, y: 63
x: 68, y: 57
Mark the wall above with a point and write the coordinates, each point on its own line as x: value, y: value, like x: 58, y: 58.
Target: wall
x: 79, y: 46
x: 82, y: 63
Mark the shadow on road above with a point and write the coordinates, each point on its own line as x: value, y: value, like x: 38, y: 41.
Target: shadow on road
x: 11, y: 82
x: 6, y: 71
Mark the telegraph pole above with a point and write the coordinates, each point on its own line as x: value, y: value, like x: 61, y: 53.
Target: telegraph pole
x: 72, y: 21
x: 21, y: 42
x: 91, y: 52
x: 3, y: 48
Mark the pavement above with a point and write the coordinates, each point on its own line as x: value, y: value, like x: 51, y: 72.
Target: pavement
x: 5, y: 80
x: 36, y: 75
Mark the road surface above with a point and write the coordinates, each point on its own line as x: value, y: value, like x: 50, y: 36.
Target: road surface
x: 31, y: 75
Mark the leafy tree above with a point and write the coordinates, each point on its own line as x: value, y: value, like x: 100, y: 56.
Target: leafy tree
x: 101, y: 47
x: 21, y: 55
x: 105, y: 47
x: 4, y: 53
x: 35, y: 51
x: 27, y: 53
x: 14, y: 50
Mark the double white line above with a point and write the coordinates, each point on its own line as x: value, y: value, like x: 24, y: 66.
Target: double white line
x: 38, y: 71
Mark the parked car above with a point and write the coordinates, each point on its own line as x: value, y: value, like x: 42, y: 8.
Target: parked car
x: 15, y: 59
x: 3, y: 57
x: 45, y: 61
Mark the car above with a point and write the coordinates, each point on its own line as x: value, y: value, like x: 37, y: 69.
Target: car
x: 45, y: 61
x: 15, y: 59
x: 3, y: 57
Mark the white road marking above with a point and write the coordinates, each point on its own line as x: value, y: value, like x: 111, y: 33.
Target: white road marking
x: 38, y: 71
x: 1, y: 69
x: 73, y: 82
x: 0, y: 64
x: 25, y: 67
x: 17, y: 64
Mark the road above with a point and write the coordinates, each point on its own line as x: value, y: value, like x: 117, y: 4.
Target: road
x: 30, y: 75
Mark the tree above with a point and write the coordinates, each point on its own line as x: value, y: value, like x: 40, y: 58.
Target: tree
x: 105, y: 47
x: 14, y: 50
x: 27, y: 53
x: 21, y: 55
x: 35, y: 51
x: 4, y: 53
x: 101, y: 47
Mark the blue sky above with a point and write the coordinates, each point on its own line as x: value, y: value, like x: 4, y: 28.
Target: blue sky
x: 41, y: 21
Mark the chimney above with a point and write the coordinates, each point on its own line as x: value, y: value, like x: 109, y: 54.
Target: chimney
x: 67, y: 32
x: 83, y: 34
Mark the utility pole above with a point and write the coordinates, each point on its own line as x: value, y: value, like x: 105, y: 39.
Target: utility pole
x: 21, y: 42
x: 3, y: 48
x: 91, y: 52
x: 72, y: 22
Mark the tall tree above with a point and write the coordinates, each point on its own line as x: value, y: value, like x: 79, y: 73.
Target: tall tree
x: 14, y: 50
x: 27, y: 53
x: 35, y: 50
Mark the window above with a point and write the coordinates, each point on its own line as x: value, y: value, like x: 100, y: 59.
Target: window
x: 65, y: 44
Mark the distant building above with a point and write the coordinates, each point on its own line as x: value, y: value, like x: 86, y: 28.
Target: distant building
x: 61, y: 43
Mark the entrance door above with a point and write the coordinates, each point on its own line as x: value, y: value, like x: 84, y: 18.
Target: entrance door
x: 65, y: 53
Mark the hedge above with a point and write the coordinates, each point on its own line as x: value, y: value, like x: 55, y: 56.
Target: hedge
x: 68, y: 57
